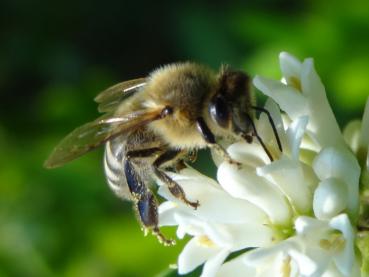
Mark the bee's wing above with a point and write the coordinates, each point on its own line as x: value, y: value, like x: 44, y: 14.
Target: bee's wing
x: 93, y: 134
x: 110, y: 98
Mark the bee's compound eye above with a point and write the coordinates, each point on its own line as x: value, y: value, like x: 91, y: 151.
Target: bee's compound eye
x: 219, y: 111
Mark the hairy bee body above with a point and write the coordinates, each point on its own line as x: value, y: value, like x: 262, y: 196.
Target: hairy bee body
x: 187, y: 87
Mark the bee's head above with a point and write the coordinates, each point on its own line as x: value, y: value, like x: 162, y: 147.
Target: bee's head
x: 230, y: 107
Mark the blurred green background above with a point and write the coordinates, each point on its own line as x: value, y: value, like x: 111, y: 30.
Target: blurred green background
x: 55, y: 56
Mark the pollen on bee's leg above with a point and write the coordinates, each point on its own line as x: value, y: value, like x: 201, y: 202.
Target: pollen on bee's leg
x: 192, y: 156
x: 175, y: 189
x: 161, y: 238
x: 224, y: 154
x: 145, y: 231
x: 229, y: 160
x: 147, y: 211
x: 234, y: 162
x: 178, y: 192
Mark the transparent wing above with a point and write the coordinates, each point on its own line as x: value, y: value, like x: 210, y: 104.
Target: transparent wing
x: 110, y: 98
x: 93, y: 134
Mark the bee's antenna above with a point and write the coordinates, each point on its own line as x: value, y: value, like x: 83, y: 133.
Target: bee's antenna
x: 260, y: 109
x: 259, y: 138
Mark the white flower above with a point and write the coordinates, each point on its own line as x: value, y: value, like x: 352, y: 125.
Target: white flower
x: 295, y: 216
x: 356, y: 135
x: 220, y: 225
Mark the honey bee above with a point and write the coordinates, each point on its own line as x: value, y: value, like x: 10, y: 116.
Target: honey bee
x: 152, y: 123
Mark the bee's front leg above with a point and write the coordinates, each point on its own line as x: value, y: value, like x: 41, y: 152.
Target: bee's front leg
x: 210, y: 140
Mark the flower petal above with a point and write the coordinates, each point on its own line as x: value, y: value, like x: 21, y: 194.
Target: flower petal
x: 215, y: 204
x: 194, y: 254
x: 290, y: 67
x: 213, y: 264
x: 330, y: 198
x: 252, y: 155
x: 351, y: 134
x: 250, y: 235
x: 277, y: 265
x: 189, y: 174
x: 276, y: 115
x: 295, y: 133
x: 261, y: 255
x: 306, y: 265
x: 306, y: 224
x: 346, y: 258
x: 236, y: 268
x: 188, y: 224
x: 288, y: 98
x: 233, y: 236
x: 289, y: 177
x: 341, y: 164
x: 265, y: 130
x: 166, y: 213
x: 245, y: 184
x: 275, y: 258
x: 319, y: 258
x: 332, y: 271
x: 322, y: 120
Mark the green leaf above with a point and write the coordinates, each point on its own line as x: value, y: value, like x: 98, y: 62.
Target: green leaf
x: 362, y: 243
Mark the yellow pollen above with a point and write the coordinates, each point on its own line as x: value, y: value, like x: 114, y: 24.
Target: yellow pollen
x: 335, y: 243
x: 338, y: 243
x: 325, y: 244
x: 206, y: 241
x: 286, y: 267
x: 145, y: 230
x: 295, y: 82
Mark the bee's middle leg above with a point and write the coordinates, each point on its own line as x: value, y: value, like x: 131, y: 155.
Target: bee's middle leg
x: 173, y: 186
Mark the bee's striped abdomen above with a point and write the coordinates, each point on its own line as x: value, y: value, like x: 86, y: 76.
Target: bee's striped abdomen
x: 113, y: 166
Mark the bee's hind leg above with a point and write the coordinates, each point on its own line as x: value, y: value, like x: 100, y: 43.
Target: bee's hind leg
x: 173, y: 186
x: 145, y: 202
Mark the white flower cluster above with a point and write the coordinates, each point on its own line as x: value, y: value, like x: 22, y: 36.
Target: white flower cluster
x: 297, y: 215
